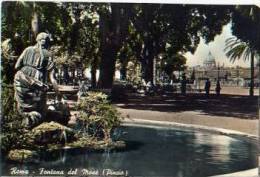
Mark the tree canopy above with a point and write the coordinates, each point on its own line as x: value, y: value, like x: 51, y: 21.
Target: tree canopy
x: 100, y: 34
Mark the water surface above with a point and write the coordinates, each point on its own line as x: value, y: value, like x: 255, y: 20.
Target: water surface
x: 155, y: 152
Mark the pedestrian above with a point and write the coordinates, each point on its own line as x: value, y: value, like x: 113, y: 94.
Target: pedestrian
x: 183, y: 84
x: 207, y: 87
x: 218, y: 88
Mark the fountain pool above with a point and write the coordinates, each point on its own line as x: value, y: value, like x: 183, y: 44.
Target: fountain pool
x: 152, y: 151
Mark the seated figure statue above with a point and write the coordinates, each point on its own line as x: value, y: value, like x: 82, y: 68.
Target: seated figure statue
x: 33, y: 67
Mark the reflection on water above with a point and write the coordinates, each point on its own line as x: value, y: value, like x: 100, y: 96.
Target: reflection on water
x: 157, y: 152
x: 220, y: 146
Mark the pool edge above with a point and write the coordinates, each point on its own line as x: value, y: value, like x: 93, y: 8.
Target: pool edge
x: 245, y: 173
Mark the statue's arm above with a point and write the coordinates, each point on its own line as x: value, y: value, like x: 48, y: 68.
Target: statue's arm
x: 19, y: 62
x: 54, y: 83
x: 53, y: 80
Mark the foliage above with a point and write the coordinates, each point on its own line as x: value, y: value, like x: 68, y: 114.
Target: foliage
x: 246, y: 28
x: 158, y: 29
x: 246, y: 25
x: 100, y: 33
x: 11, y: 127
x: 235, y: 49
x: 173, y: 62
x: 23, y: 155
x: 51, y: 133
x: 133, y: 73
x: 92, y: 143
x: 12, y: 131
x: 97, y: 115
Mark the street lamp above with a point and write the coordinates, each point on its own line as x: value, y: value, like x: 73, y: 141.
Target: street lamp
x: 218, y: 71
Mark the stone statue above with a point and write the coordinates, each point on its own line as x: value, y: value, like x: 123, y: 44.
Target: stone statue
x: 33, y: 67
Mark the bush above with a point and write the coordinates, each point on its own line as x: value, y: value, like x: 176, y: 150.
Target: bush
x: 97, y: 115
x: 11, y: 128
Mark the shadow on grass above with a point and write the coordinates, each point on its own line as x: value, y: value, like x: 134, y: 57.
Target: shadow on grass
x: 238, y: 106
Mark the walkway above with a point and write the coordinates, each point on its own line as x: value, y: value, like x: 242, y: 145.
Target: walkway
x: 228, y: 111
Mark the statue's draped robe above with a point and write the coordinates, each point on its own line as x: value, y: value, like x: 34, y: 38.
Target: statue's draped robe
x: 33, y: 66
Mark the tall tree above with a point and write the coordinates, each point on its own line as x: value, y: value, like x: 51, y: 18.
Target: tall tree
x: 236, y: 49
x: 179, y: 26
x: 246, y: 27
x: 113, y: 30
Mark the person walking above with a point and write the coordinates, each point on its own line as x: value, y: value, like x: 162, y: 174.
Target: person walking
x: 218, y: 88
x: 207, y: 87
x: 183, y: 84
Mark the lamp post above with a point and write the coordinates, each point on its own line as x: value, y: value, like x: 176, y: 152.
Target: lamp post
x: 218, y: 71
x: 237, y: 75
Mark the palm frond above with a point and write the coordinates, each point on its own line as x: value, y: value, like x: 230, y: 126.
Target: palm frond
x: 247, y: 53
x: 235, y: 49
x: 230, y: 43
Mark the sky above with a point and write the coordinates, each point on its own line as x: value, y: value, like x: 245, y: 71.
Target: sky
x: 216, y: 48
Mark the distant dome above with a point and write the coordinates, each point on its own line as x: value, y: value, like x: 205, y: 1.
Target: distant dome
x: 209, y: 61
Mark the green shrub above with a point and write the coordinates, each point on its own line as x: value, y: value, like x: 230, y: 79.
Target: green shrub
x: 23, y: 155
x: 97, y: 115
x: 12, y: 130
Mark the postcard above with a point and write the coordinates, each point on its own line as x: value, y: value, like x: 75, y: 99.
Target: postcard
x: 138, y: 89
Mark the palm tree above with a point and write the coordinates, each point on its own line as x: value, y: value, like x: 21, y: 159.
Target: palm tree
x: 235, y: 49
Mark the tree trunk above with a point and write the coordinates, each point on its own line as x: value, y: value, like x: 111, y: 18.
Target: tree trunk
x: 107, y: 67
x: 124, y: 61
x: 65, y: 74
x: 123, y: 72
x: 93, y: 72
x: 113, y: 29
x: 148, y: 63
x: 149, y: 70
x: 251, y: 91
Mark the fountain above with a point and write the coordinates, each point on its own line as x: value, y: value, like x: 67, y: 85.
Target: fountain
x: 155, y: 151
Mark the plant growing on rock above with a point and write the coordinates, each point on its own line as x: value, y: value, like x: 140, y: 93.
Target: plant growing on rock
x: 97, y: 116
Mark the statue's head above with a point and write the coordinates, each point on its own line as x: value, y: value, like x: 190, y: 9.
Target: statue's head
x: 43, y: 39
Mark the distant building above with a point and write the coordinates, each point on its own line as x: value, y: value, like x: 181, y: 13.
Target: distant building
x: 209, y: 62
x: 227, y: 75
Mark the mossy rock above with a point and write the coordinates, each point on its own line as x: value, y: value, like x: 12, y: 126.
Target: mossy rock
x: 92, y: 143
x: 102, y: 145
x: 23, y: 155
x: 51, y: 133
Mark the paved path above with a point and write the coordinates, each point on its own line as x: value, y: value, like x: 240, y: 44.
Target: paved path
x: 228, y: 111
x: 192, y: 117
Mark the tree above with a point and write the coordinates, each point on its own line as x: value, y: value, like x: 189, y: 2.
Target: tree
x: 179, y: 26
x: 193, y: 77
x: 146, y: 28
x: 173, y: 62
x: 235, y: 49
x: 91, y: 41
x: 246, y: 27
x: 113, y: 25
